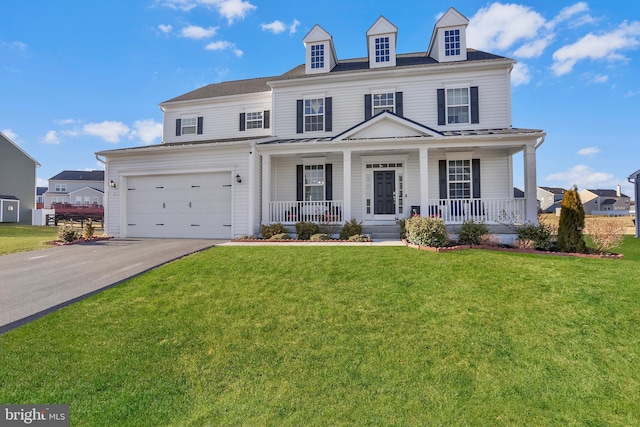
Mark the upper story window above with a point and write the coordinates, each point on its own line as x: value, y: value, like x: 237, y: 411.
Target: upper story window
x: 61, y: 188
x: 314, y: 114
x: 458, y: 105
x: 383, y: 102
x: 452, y: 42
x: 317, y: 56
x: 382, y: 49
x: 314, y: 182
x: 254, y: 120
x: 459, y: 179
x: 189, y: 125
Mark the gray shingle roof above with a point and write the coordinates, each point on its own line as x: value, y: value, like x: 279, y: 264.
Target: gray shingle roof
x: 606, y: 193
x: 79, y: 176
x: 554, y: 190
x: 257, y: 85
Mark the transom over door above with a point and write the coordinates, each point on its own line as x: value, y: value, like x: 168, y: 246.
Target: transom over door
x: 384, y: 198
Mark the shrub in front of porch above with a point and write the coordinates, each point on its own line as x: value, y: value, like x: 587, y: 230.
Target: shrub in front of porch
x: 267, y: 231
x: 471, y: 233
x: 425, y: 231
x: 305, y: 230
x: 351, y: 228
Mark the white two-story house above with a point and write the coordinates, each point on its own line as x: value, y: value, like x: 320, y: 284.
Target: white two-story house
x: 376, y: 138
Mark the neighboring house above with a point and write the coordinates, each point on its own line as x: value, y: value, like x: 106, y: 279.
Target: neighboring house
x: 17, y: 182
x: 605, y: 202
x: 550, y: 198
x: 79, y: 188
x: 40, y: 196
x: 372, y: 138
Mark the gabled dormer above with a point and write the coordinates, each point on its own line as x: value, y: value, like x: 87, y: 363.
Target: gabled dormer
x: 449, y: 38
x: 381, y: 43
x: 321, y: 54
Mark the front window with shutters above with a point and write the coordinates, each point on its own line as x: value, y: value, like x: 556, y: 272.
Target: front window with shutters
x: 254, y: 120
x: 383, y: 102
x: 459, y: 179
x: 314, y: 114
x: 189, y: 125
x: 314, y: 182
x: 458, y: 105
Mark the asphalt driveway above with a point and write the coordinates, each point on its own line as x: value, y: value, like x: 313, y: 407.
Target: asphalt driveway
x: 35, y: 283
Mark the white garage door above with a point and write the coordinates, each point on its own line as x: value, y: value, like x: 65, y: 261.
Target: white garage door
x: 175, y: 206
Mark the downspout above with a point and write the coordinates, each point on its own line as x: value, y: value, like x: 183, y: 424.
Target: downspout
x: 540, y: 141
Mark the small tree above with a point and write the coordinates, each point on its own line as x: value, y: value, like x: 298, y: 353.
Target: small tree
x: 570, y: 229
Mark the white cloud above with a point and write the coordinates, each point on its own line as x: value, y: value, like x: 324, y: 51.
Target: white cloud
x: 195, y: 32
x: 146, y: 130
x: 535, y: 48
x: 109, y: 131
x: 277, y: 27
x: 64, y: 122
x: 520, y: 74
x: 51, y: 138
x: 605, y: 46
x: 589, y: 151
x: 19, y: 46
x: 229, y: 9
x: 9, y: 133
x: 40, y: 182
x: 600, y: 78
x: 569, y: 12
x: 500, y: 26
x: 224, y: 45
x: 584, y: 177
x: 165, y: 28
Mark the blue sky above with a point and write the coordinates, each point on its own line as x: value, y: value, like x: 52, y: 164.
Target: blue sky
x: 78, y: 77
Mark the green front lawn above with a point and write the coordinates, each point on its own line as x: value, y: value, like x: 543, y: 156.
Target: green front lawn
x: 20, y: 238
x: 329, y: 336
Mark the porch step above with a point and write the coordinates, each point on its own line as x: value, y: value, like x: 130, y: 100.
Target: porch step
x: 382, y: 232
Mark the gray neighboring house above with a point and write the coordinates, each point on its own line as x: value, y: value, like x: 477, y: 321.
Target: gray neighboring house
x: 605, y: 202
x: 550, y: 198
x: 75, y: 187
x: 17, y: 182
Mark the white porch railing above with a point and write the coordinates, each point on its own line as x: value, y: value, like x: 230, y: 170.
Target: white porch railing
x: 489, y: 211
x: 325, y: 211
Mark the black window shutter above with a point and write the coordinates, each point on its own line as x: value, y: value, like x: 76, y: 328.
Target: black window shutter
x: 442, y: 173
x: 178, y: 127
x: 266, y: 119
x: 299, y: 183
x: 442, y: 116
x: 242, y: 122
x: 475, y: 112
x: 475, y: 177
x: 399, y: 106
x: 299, y: 116
x: 200, y: 125
x: 328, y: 181
x: 328, y: 114
x: 367, y: 106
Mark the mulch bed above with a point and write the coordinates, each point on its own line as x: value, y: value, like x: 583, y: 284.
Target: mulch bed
x: 607, y: 255
x: 80, y: 240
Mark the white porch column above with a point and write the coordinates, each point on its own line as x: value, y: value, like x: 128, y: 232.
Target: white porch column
x: 252, y: 189
x: 266, y: 187
x: 346, y: 167
x: 530, y: 193
x: 424, y: 181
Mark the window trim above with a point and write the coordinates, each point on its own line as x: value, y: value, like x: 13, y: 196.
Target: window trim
x: 317, y: 59
x: 189, y: 126
x: 308, y: 125
x: 460, y: 189
x: 381, y: 108
x: 449, y: 105
x: 454, y: 50
x: 307, y: 186
x: 382, y: 46
x: 60, y: 188
x: 256, y: 118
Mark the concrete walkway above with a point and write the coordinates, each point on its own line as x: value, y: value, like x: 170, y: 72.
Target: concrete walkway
x: 35, y: 283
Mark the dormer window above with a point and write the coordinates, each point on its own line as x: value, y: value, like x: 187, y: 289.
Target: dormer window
x: 317, y: 56
x: 452, y: 42
x: 382, y: 49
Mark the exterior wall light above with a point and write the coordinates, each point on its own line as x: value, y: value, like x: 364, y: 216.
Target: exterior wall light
x: 112, y: 184
x: 238, y: 179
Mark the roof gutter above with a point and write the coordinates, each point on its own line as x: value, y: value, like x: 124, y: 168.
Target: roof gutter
x: 540, y: 141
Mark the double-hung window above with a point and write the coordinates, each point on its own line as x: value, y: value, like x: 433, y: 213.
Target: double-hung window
x: 383, y: 102
x: 61, y: 188
x: 254, y: 120
x: 189, y: 125
x: 458, y: 105
x: 314, y: 114
x: 382, y: 49
x: 317, y: 56
x: 314, y: 182
x: 452, y: 42
x: 459, y: 179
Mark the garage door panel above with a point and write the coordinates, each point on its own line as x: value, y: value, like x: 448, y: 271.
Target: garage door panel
x: 188, y: 205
